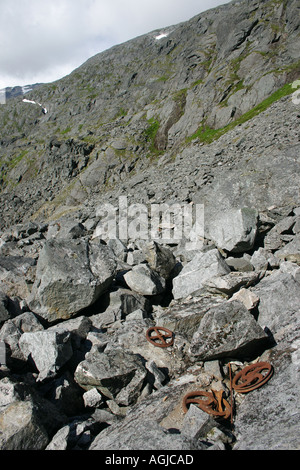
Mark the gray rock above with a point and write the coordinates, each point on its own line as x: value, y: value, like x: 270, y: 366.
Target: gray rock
x: 235, y: 230
x: 21, y: 429
x: 124, y: 301
x: 143, y: 280
x: 117, y: 374
x: 16, y: 275
x: 13, y: 329
x: 279, y: 296
x: 292, y: 268
x: 196, y: 423
x: 118, y: 247
x: 230, y: 283
x: 239, y: 264
x: 79, y: 328
x: 135, y: 257
x: 275, y: 238
x: 247, y: 297
x: 49, y: 350
x: 74, y: 436
x: 263, y: 259
x: 228, y: 330
x: 92, y: 398
x: 275, y: 406
x: 203, y: 267
x: 158, y: 375
x: 70, y: 276
x: 144, y: 429
x: 184, y: 316
x: 65, y: 229
x: 26, y: 424
x: 4, y: 313
x: 159, y: 258
x: 291, y: 251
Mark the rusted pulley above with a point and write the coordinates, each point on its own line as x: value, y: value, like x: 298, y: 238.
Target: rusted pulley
x: 211, y: 402
x: 160, y: 337
x: 252, y: 377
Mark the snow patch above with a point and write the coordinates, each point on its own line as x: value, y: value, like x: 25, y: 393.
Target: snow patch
x: 44, y: 110
x: 161, y: 36
x: 26, y: 89
x: 28, y: 101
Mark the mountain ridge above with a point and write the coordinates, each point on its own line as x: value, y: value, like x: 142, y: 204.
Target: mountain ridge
x: 154, y: 94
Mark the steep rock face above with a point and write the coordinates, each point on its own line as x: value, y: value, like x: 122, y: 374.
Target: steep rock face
x: 141, y: 99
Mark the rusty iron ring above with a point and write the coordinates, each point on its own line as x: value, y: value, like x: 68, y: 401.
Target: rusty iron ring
x: 162, y: 337
x: 215, y: 404
x: 251, y: 377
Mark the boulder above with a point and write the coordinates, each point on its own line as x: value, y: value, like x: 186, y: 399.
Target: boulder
x: 159, y: 258
x: 150, y: 426
x: 279, y: 295
x: 276, y: 237
x: 291, y: 251
x: 230, y: 283
x: 184, y: 316
x: 4, y: 312
x: 65, y: 229
x: 247, y: 297
x: 228, y: 330
x: 92, y: 398
x: 117, y: 374
x: 196, y: 423
x: 13, y: 329
x: 124, y: 301
x: 234, y: 230
x: 239, y: 264
x: 71, y: 275
x: 142, y: 279
x: 20, y: 427
x: 49, y: 350
x: 275, y: 406
x: 263, y: 259
x: 203, y: 267
x: 26, y: 419
x: 16, y: 275
x: 131, y: 336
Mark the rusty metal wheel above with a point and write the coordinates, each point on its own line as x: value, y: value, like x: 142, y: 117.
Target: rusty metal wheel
x: 211, y: 402
x: 160, y: 337
x: 252, y: 377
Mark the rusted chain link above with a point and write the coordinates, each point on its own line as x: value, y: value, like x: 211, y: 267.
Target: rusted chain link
x: 162, y: 337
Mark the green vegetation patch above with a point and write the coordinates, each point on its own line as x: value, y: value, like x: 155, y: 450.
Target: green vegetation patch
x: 208, y: 135
x: 151, y: 132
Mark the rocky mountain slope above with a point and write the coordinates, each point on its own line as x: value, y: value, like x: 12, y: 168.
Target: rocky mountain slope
x: 202, y: 116
x: 17, y: 91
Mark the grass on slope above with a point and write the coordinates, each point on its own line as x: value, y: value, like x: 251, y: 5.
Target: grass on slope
x: 207, y: 135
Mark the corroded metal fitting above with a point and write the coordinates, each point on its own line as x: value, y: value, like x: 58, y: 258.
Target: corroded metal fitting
x: 160, y: 337
x: 211, y: 402
x: 252, y: 377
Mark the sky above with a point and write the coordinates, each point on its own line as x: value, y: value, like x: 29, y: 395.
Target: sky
x: 44, y: 40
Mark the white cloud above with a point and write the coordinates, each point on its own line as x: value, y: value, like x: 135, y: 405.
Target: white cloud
x: 43, y: 40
